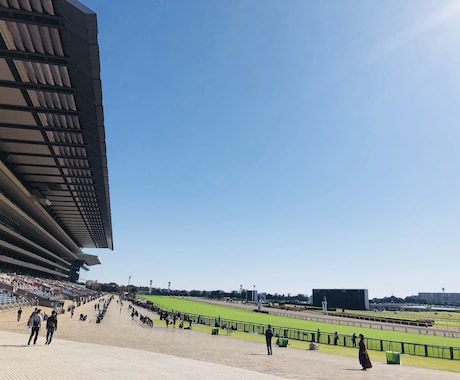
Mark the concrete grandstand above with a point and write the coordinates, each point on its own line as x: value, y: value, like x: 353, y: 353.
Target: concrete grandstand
x: 54, y: 190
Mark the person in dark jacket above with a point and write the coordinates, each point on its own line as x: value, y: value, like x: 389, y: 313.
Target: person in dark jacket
x: 268, y: 339
x: 353, y: 339
x: 51, y: 327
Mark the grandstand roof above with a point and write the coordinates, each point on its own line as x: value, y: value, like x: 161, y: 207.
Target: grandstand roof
x: 54, y: 190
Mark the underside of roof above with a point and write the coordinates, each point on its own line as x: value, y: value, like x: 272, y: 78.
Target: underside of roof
x: 54, y: 190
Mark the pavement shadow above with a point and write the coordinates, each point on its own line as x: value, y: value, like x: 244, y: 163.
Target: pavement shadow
x: 13, y: 345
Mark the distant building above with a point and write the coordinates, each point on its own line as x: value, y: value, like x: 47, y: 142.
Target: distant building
x: 355, y: 299
x: 440, y: 298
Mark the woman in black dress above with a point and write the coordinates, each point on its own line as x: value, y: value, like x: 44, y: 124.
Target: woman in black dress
x: 363, y: 355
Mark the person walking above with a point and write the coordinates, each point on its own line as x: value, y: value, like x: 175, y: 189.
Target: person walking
x: 363, y: 354
x: 51, y: 327
x: 19, y: 314
x: 268, y: 339
x: 35, y: 323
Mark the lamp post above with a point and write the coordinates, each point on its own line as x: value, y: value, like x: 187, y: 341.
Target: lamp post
x: 254, y: 294
x: 129, y: 280
x: 150, y: 289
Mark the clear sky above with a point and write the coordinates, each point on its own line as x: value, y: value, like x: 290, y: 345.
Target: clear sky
x: 285, y: 144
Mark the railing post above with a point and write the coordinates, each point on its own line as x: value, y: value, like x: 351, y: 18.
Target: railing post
x: 426, y: 350
x: 381, y: 345
x: 402, y: 347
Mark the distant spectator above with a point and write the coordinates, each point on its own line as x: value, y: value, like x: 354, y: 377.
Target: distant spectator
x: 313, y: 346
x: 19, y: 314
x: 353, y: 339
x: 268, y: 339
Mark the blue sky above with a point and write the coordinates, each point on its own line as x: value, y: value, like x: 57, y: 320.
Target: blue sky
x: 289, y: 145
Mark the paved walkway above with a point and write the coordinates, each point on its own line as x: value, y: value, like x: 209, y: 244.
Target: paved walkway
x: 121, y: 348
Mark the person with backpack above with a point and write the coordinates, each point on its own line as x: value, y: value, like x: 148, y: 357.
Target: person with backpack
x: 35, y: 323
x: 51, y: 327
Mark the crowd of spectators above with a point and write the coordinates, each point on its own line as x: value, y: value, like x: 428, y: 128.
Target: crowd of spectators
x: 20, y: 289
